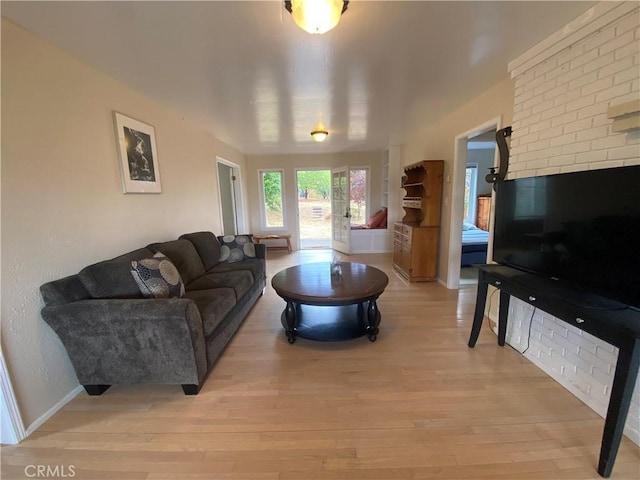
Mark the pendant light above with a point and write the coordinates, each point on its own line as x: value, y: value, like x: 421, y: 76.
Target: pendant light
x: 316, y: 16
x: 319, y: 135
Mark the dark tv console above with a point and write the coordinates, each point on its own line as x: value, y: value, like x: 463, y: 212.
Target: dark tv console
x: 602, y: 318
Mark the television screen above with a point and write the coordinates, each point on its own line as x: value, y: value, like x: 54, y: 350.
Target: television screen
x: 579, y: 228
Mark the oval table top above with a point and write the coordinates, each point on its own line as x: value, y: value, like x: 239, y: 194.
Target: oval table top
x: 313, y: 284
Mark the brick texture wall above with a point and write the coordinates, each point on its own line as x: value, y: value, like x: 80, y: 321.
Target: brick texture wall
x: 564, y: 87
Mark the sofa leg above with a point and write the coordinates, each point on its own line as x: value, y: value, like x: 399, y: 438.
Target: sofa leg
x: 190, y: 389
x: 96, y: 389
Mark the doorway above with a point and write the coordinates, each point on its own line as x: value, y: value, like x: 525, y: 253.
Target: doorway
x: 314, y: 208
x: 465, y: 156
x: 231, y: 216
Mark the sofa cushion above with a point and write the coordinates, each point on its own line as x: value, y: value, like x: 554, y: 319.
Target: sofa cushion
x: 112, y: 278
x: 207, y: 246
x: 213, y: 305
x: 378, y: 219
x: 66, y: 290
x: 157, y: 277
x: 234, y: 248
x: 256, y: 266
x: 184, y: 256
x: 239, y: 280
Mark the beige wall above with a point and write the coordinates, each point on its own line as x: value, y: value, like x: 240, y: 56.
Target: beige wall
x: 62, y: 201
x: 436, y: 142
x: 289, y: 163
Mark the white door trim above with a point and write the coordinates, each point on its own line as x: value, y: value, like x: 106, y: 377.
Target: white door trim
x: 13, y: 430
x: 239, y: 195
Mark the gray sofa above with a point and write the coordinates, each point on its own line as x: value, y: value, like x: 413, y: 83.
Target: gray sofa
x: 114, y: 335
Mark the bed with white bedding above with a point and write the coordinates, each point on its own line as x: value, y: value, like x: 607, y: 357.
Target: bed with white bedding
x: 474, y: 245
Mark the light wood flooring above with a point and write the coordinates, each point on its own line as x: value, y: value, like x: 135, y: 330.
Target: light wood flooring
x: 416, y: 404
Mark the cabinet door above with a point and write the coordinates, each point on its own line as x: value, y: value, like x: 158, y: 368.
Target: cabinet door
x: 397, y: 252
x: 405, y: 255
x: 424, y: 262
x: 397, y: 243
x: 405, y: 259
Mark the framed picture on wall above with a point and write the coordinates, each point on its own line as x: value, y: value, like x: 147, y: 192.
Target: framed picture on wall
x: 137, y: 154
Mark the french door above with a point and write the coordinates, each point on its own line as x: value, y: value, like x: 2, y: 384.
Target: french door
x: 340, y: 210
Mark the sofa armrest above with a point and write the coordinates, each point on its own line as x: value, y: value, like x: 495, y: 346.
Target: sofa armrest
x: 112, y: 341
x: 261, y: 250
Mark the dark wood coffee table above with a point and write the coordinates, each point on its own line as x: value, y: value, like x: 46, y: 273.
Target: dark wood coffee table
x: 310, y: 288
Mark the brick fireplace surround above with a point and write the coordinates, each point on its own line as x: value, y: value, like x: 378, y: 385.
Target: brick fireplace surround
x: 564, y: 87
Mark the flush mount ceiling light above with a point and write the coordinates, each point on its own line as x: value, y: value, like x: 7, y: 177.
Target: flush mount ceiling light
x: 316, y: 16
x: 319, y: 135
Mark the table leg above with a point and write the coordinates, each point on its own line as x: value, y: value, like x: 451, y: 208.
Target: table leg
x: 373, y: 318
x: 623, y: 384
x: 503, y: 315
x: 290, y: 317
x: 478, y: 316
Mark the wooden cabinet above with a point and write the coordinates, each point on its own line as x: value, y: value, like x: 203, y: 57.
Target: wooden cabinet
x: 415, y: 251
x: 415, y: 239
x: 483, y: 212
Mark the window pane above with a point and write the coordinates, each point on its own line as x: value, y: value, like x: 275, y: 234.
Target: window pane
x: 272, y: 194
x: 470, y: 189
x: 358, y: 197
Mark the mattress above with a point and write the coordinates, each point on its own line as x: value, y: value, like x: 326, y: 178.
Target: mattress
x: 475, y: 236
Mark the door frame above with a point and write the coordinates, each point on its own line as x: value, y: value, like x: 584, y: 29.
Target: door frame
x: 13, y: 430
x: 238, y: 192
x: 297, y: 203
x: 457, y: 200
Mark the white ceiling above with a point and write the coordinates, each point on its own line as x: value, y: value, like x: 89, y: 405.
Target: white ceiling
x: 245, y: 72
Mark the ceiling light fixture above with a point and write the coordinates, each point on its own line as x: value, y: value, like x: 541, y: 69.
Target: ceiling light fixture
x: 319, y: 135
x: 316, y: 16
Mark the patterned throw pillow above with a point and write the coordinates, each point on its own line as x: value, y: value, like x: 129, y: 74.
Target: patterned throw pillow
x: 157, y: 277
x: 234, y: 248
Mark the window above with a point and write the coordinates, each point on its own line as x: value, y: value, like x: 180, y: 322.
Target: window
x: 359, y: 188
x: 272, y: 199
x: 470, y: 191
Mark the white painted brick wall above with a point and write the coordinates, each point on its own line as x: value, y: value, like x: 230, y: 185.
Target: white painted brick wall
x: 560, y: 125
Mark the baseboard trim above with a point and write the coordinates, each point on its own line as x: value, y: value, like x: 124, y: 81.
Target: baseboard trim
x: 370, y: 251
x: 53, y: 410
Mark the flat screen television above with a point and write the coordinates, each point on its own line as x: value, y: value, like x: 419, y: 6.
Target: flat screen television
x: 581, y: 229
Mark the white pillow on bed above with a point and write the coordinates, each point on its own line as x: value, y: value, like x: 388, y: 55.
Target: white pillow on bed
x: 468, y: 226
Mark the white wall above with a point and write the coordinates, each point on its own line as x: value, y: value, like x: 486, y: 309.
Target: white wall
x: 289, y: 163
x: 564, y: 87
x: 62, y: 201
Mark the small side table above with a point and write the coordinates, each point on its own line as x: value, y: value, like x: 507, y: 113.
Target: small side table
x: 286, y: 238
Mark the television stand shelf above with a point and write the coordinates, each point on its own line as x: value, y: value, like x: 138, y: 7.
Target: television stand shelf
x: 616, y: 325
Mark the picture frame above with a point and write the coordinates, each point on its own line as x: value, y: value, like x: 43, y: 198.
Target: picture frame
x: 137, y: 154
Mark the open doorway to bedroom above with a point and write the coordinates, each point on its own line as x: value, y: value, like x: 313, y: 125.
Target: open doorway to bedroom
x: 481, y: 151
x: 475, y: 153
